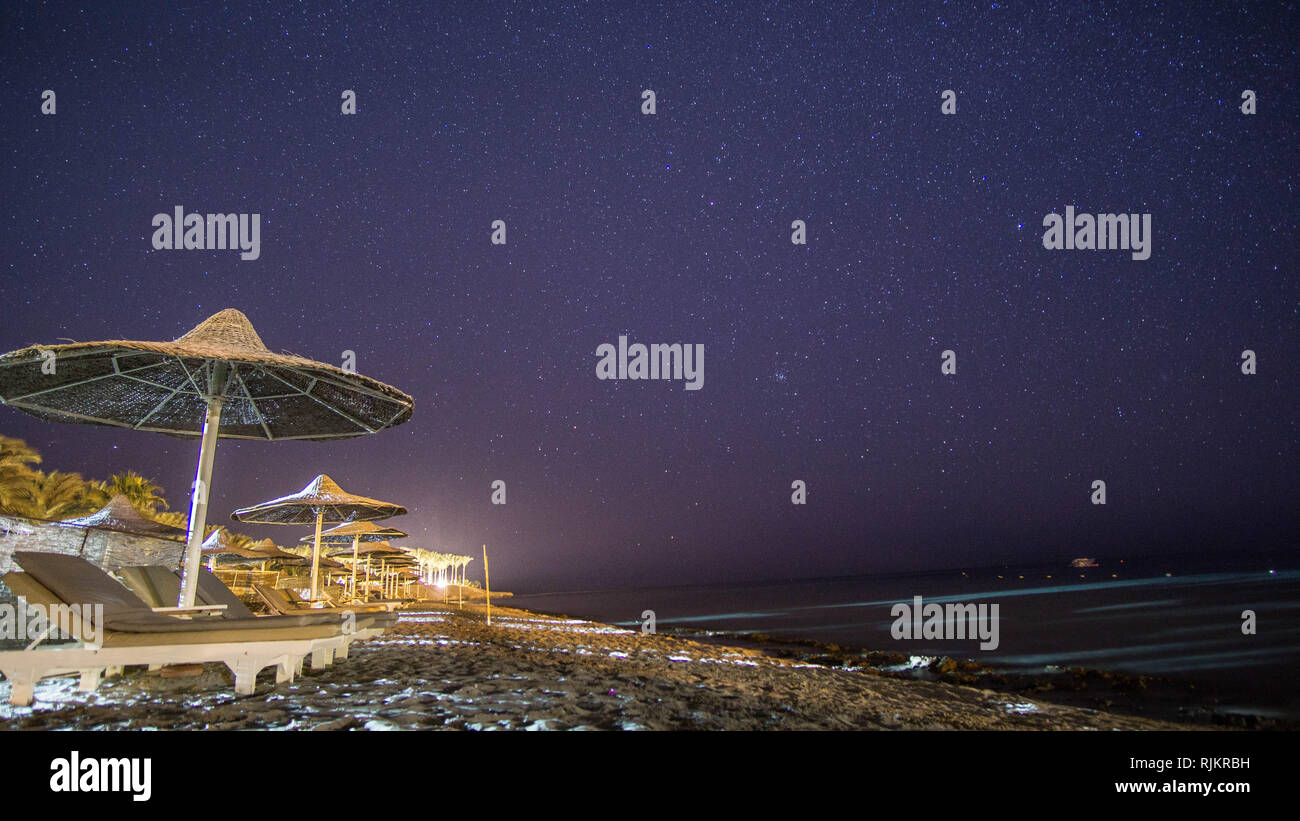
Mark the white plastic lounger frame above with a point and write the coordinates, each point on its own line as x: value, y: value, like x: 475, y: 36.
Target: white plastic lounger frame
x: 23, y: 668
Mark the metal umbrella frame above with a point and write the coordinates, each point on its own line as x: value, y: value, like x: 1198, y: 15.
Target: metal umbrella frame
x: 321, y: 500
x: 217, y: 381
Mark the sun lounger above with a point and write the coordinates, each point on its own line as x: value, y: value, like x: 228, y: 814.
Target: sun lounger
x: 152, y: 582
x: 333, y: 597
x: 158, y: 587
x: 286, y: 602
x: 130, y: 632
x: 337, y: 598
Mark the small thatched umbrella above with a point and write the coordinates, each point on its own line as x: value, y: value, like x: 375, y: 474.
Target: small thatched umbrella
x: 397, y: 565
x: 218, y: 380
x: 220, y: 545
x: 267, y: 552
x: 121, y: 516
x: 321, y: 501
x: 356, y: 532
x: 380, y: 550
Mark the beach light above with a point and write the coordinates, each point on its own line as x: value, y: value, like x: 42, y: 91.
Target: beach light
x: 217, y: 381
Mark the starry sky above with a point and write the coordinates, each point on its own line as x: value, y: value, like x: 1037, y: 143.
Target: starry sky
x: 822, y: 361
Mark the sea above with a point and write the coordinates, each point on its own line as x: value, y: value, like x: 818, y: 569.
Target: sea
x: 1233, y: 623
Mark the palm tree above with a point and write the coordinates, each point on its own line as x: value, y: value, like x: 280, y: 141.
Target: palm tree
x: 95, y: 497
x: 16, y: 471
x: 144, y: 493
x: 170, y: 517
x: 54, y: 495
x: 176, y: 518
x: 240, y: 540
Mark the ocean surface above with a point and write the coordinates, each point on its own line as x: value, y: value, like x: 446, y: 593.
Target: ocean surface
x: 1177, y: 617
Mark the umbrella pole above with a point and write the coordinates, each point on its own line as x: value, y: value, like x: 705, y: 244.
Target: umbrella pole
x: 199, y: 494
x: 315, y: 558
x: 355, y: 540
x: 487, y: 587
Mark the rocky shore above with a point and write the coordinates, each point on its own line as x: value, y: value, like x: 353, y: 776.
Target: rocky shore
x: 444, y: 668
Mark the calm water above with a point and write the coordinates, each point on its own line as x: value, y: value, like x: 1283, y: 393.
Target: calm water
x: 1127, y: 616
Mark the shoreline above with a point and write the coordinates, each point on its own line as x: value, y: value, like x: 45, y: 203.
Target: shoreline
x: 443, y: 668
x: 1142, y: 695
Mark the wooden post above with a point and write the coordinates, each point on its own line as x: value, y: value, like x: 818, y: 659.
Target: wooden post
x: 315, y: 557
x: 356, y: 541
x: 487, y: 586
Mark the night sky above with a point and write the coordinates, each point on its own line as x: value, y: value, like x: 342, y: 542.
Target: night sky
x: 822, y: 362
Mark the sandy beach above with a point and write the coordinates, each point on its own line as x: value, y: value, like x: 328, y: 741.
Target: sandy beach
x: 443, y: 668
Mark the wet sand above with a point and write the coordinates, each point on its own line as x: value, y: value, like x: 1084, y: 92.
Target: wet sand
x: 443, y: 668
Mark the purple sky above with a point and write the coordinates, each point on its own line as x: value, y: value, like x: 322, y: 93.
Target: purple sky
x: 822, y: 362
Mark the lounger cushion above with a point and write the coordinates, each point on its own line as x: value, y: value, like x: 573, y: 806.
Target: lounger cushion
x: 76, y: 581
x: 182, y: 631
x: 156, y: 586
x: 277, y: 601
x: 213, y: 591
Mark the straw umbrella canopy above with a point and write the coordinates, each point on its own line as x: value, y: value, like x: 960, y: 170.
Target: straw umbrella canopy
x: 218, y: 380
x: 356, y: 532
x: 220, y: 546
x: 320, y: 501
x: 267, y: 552
x: 121, y: 516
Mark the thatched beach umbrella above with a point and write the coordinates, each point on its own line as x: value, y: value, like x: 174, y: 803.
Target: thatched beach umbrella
x: 220, y: 545
x: 268, y: 553
x: 218, y: 380
x: 356, y: 532
x: 379, y: 550
x: 396, y: 566
x: 321, y: 501
x: 121, y: 516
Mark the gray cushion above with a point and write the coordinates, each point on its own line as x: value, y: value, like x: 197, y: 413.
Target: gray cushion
x: 213, y: 591
x: 76, y: 581
x: 156, y: 586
